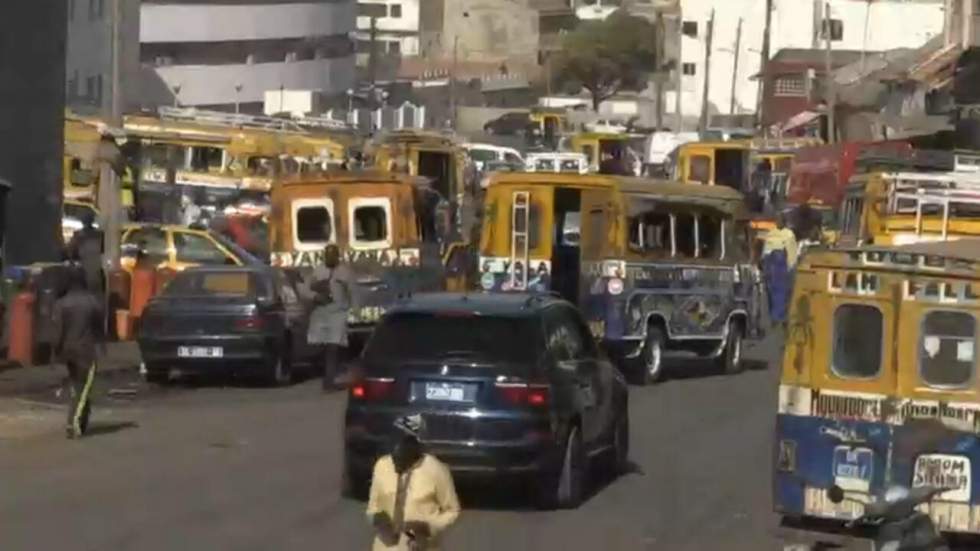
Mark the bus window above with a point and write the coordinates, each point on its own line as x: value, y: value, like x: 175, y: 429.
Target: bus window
x: 699, y: 169
x: 313, y: 224
x: 947, y: 349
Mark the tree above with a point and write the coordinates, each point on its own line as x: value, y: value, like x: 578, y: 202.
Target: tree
x: 607, y: 56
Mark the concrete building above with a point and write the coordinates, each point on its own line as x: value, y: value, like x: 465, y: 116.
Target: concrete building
x: 396, y: 28
x: 480, y: 30
x: 215, y: 53
x: 88, y: 79
x: 854, y: 25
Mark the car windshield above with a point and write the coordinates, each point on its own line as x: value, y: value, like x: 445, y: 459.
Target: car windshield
x: 204, y: 283
x: 436, y: 336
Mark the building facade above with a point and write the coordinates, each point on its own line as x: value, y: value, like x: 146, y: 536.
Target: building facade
x: 88, y: 77
x: 396, y: 28
x: 480, y: 30
x: 799, y: 24
x: 213, y: 53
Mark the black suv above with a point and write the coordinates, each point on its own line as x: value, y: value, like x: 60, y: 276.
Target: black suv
x: 507, y: 384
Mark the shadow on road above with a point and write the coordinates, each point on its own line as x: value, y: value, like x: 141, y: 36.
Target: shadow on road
x: 96, y: 428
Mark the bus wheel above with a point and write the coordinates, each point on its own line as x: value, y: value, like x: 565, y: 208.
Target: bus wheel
x: 651, y: 364
x: 730, y: 360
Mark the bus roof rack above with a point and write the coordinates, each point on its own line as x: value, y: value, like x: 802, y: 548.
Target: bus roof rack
x: 926, y: 160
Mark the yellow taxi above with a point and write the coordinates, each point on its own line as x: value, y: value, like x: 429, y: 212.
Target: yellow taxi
x: 178, y: 247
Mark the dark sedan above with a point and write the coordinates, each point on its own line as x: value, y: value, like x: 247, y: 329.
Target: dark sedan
x: 507, y: 384
x: 234, y: 320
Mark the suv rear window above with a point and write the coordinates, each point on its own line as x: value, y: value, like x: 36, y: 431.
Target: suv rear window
x: 422, y: 336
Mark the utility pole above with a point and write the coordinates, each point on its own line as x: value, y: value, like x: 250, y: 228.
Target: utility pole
x: 452, y: 82
x: 831, y: 89
x: 764, y: 65
x: 373, y: 60
x: 109, y: 188
x: 703, y: 121
x: 738, y: 49
x: 658, y: 76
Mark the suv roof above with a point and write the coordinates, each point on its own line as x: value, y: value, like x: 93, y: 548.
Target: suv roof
x: 492, y: 304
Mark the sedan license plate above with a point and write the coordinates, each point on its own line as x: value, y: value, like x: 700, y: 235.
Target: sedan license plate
x: 445, y: 392
x: 200, y: 352
x: 852, y: 468
x: 938, y: 470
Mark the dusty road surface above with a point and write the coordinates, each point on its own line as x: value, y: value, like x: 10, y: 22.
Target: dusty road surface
x: 239, y: 467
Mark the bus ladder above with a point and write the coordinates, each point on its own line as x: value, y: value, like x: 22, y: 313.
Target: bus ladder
x: 519, y: 233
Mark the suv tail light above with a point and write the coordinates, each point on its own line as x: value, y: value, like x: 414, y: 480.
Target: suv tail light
x: 250, y: 323
x: 521, y: 394
x: 372, y: 389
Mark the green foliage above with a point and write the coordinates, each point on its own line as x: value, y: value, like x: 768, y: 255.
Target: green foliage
x: 608, y: 56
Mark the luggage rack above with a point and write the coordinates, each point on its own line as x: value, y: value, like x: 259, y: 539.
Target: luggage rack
x: 914, y: 193
x: 924, y: 160
x: 241, y: 120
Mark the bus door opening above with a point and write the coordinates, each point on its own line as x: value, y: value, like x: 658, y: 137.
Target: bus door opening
x: 730, y: 168
x: 438, y: 167
x: 565, y: 255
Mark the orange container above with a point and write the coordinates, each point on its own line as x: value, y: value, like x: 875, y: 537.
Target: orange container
x: 141, y: 291
x: 21, y: 346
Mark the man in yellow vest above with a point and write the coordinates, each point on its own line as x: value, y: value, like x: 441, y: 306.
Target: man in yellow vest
x: 778, y: 261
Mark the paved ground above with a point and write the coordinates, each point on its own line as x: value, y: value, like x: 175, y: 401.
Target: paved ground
x: 250, y: 468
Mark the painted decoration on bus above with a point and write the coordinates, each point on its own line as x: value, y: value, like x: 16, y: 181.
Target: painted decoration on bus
x: 388, y: 258
x: 507, y: 274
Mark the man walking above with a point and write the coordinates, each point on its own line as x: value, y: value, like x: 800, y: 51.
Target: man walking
x: 334, y: 295
x: 86, y: 248
x: 413, y: 498
x: 78, y: 334
x: 778, y: 260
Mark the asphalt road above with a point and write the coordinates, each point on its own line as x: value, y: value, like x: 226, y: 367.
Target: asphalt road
x: 246, y: 468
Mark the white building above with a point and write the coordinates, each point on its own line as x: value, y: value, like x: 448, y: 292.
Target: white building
x: 396, y: 31
x: 855, y: 25
x: 216, y: 53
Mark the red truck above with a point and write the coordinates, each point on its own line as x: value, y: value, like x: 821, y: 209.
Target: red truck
x: 819, y: 174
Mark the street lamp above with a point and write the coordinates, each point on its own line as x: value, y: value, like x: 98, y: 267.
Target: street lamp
x: 238, y: 91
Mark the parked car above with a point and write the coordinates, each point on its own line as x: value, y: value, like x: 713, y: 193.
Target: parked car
x: 228, y: 320
x: 557, y: 162
x: 509, y: 124
x: 483, y: 153
x: 507, y: 384
x: 607, y: 126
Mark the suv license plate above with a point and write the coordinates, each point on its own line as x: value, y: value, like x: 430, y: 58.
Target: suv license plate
x: 445, y: 392
x: 199, y: 352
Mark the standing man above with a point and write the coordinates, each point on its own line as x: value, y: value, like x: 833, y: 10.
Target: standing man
x: 413, y: 498
x: 778, y: 260
x: 78, y: 334
x: 86, y: 248
x: 334, y: 294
